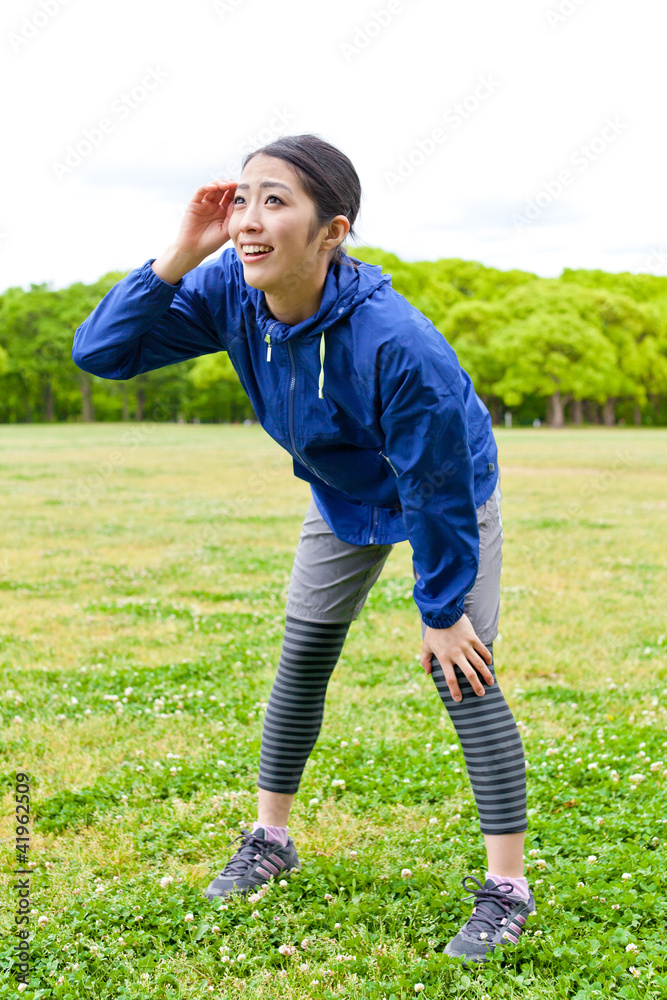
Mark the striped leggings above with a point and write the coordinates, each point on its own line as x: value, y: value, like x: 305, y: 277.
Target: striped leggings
x: 485, y: 726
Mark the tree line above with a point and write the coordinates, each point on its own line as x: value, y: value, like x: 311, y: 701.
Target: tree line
x: 586, y: 347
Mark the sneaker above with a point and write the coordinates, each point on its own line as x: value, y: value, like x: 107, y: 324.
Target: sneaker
x: 497, y: 917
x: 256, y: 861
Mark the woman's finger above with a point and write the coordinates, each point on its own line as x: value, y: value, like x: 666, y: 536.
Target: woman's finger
x: 478, y: 663
x: 473, y: 678
x: 452, y: 683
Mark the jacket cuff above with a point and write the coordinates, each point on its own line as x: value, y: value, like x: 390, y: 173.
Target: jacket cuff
x: 153, y: 280
x: 443, y: 621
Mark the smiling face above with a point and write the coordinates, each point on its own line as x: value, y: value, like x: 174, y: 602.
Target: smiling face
x: 272, y: 210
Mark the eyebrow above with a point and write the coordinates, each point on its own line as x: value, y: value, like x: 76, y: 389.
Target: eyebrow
x: 268, y: 184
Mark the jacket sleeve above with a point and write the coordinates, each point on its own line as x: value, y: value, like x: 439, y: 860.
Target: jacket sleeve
x: 424, y: 421
x: 143, y: 323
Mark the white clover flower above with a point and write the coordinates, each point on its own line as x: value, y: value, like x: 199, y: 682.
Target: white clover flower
x: 615, y: 906
x: 241, y: 957
x: 303, y: 967
x: 305, y: 943
x: 433, y: 821
x: 533, y: 853
x: 626, y: 875
x: 406, y: 873
x: 188, y: 918
x: 591, y: 859
x: 631, y: 947
x: 283, y: 882
x: 287, y: 949
x: 634, y: 971
x: 656, y: 765
x: 336, y: 926
x: 42, y: 920
x: 327, y: 895
x: 338, y: 783
x: 215, y: 929
x: 419, y: 987
x: 165, y: 881
x: 313, y: 802
x: 483, y: 935
x: 353, y: 854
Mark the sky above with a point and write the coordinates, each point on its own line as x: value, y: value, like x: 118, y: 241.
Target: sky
x: 528, y: 134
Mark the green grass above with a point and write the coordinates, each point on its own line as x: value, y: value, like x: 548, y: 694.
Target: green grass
x: 143, y: 575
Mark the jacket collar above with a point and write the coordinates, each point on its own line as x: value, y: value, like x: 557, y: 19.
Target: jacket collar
x: 347, y: 285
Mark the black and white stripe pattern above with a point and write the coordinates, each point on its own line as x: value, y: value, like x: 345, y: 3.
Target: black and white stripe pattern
x: 492, y: 750
x: 491, y: 743
x: 296, y: 705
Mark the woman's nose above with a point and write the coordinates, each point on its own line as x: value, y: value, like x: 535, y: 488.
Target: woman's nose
x: 251, y: 221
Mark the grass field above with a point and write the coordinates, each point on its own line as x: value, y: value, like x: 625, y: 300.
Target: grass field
x: 143, y: 574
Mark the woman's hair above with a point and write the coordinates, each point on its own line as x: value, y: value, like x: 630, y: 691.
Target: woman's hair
x: 327, y: 175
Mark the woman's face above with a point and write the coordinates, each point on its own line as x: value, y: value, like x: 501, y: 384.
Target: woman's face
x: 272, y: 210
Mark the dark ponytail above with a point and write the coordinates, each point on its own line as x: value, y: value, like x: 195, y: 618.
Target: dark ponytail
x: 327, y: 175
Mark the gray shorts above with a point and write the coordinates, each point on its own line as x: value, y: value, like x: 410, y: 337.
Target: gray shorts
x: 331, y: 579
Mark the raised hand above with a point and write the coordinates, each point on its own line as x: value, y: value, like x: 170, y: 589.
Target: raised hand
x: 205, y: 225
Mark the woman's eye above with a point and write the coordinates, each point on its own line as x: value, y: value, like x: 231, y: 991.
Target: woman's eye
x: 239, y: 198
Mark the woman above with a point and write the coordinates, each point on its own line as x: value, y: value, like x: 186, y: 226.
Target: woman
x: 395, y: 444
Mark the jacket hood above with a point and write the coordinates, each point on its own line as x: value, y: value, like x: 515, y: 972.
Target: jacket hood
x: 347, y: 285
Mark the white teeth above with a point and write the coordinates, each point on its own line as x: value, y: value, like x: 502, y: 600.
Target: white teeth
x: 259, y: 248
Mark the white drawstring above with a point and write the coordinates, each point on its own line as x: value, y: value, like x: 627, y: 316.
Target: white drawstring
x: 321, y: 380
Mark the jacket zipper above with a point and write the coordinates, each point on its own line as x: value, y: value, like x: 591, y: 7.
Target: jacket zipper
x: 376, y: 512
x: 267, y: 338
x: 376, y: 516
x: 291, y: 418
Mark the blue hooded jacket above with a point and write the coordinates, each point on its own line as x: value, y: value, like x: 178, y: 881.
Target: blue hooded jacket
x: 366, y: 395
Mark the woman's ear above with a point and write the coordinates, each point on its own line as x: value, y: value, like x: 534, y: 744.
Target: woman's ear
x: 336, y: 233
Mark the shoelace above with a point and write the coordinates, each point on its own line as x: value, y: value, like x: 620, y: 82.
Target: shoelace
x: 251, y: 843
x: 491, y: 906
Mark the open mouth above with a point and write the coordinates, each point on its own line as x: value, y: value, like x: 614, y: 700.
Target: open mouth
x: 255, y: 251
